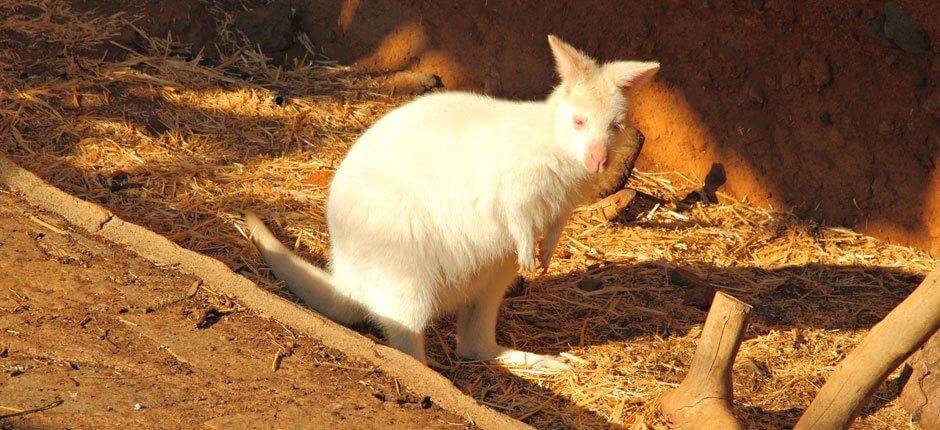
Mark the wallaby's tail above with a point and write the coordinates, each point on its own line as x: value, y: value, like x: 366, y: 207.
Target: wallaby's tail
x: 312, y: 284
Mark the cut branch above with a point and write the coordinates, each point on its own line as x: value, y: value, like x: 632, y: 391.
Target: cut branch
x: 704, y: 398
x: 888, y: 343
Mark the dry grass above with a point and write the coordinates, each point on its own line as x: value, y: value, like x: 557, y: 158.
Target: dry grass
x: 179, y: 148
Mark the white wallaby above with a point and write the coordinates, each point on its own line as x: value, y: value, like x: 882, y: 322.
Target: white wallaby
x: 438, y: 204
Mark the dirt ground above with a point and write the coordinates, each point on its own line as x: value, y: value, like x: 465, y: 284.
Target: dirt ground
x: 104, y: 339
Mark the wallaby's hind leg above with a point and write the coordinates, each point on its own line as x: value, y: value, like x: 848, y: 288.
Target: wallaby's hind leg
x: 403, y: 320
x: 476, y: 333
x: 476, y: 326
x: 405, y: 339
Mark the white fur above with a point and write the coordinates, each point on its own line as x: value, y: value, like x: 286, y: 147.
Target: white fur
x: 439, y: 203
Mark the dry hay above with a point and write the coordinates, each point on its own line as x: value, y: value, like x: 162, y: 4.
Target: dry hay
x: 180, y: 148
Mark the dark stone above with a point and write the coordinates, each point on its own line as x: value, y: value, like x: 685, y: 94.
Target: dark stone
x: 590, y: 283
x: 920, y: 395
x: 271, y: 26
x: 412, y: 83
x: 902, y: 29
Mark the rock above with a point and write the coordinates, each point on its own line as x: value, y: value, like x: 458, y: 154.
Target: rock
x: 590, y: 283
x: 921, y: 394
x: 271, y: 26
x: 412, y: 83
x: 715, y: 178
x: 190, y: 22
x: 902, y: 29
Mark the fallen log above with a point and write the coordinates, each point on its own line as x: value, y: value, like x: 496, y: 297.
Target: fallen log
x: 885, y: 347
x: 704, y: 399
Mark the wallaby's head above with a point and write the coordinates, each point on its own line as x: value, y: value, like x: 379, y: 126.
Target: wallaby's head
x: 590, y: 105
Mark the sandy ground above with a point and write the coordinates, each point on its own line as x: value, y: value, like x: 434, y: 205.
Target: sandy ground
x: 104, y: 339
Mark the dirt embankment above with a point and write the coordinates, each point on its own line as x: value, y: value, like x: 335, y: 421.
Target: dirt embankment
x: 807, y: 105
x: 92, y: 336
x: 830, y: 109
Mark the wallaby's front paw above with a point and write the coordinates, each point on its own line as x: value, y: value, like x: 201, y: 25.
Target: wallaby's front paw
x: 527, y: 262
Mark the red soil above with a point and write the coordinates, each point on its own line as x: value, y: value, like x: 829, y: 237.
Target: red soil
x: 802, y: 104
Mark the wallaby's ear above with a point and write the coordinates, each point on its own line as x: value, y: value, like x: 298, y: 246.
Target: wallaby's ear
x: 631, y: 74
x: 573, y: 65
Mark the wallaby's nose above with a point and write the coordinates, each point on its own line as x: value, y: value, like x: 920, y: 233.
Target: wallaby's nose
x: 596, y: 158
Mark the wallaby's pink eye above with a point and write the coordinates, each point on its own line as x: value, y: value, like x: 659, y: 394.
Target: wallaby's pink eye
x: 579, y: 122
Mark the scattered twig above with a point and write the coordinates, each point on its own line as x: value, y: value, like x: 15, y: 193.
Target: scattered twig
x: 19, y: 412
x: 45, y: 224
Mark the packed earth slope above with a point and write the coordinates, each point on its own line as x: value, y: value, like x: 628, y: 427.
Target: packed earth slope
x: 105, y: 339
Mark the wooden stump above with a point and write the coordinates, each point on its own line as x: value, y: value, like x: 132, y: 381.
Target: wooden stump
x: 888, y: 343
x: 704, y: 398
x: 620, y: 164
